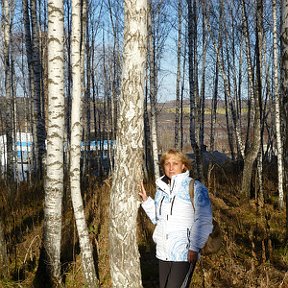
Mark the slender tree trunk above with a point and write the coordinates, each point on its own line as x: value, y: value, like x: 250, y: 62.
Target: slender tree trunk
x: 38, y: 118
x: 84, y: 46
x: 182, y: 96
x: 69, y: 81
x: 192, y: 88
x: 153, y: 92
x: 124, y: 201
x: 178, y: 79
x: 54, y: 164
x: 75, y: 153
x: 255, y: 96
x: 277, y: 109
x: 116, y: 77
x: 214, y: 107
x: 6, y: 24
x: 149, y: 164
x: 284, y: 96
x: 28, y: 46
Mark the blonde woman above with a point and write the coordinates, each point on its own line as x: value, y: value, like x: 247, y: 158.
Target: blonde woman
x: 181, y: 229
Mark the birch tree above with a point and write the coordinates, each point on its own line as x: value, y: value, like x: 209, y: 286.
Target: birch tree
x: 203, y: 83
x: 255, y: 95
x: 124, y: 202
x: 75, y: 153
x: 38, y: 115
x: 55, y: 132
x: 193, y: 86
x: 153, y: 91
x: 178, y: 78
x: 284, y: 95
x: 277, y: 108
x: 6, y: 24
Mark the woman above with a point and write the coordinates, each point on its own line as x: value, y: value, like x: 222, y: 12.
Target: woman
x: 181, y: 229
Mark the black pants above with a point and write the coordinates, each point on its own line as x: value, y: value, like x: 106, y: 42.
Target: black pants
x: 172, y: 274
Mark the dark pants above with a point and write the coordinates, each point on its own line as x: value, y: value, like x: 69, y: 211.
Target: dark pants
x: 172, y: 274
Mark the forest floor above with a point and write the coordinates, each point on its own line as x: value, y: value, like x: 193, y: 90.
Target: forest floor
x: 254, y: 251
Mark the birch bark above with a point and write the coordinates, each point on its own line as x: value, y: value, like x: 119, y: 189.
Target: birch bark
x: 124, y: 201
x: 153, y: 93
x: 6, y: 24
x: 255, y: 95
x: 284, y: 95
x: 75, y: 152
x: 277, y: 108
x: 55, y: 132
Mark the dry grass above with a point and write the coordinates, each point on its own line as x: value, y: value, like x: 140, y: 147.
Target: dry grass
x: 254, y: 252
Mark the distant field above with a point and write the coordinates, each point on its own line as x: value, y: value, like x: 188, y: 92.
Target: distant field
x: 186, y: 110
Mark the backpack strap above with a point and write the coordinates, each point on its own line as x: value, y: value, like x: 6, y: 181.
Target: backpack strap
x: 191, y: 192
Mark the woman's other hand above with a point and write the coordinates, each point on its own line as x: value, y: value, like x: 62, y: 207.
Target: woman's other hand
x: 142, y: 192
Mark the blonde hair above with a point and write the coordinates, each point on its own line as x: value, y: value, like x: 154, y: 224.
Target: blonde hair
x: 182, y: 157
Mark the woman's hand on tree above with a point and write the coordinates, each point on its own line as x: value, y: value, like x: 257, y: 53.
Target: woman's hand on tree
x: 143, y: 193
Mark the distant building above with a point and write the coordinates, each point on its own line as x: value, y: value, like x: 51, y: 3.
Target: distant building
x: 23, y: 152
x: 22, y: 155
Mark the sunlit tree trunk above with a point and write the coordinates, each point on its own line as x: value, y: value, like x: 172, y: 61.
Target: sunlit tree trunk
x: 75, y: 153
x: 85, y: 66
x: 237, y: 66
x: 116, y: 28
x: 6, y: 24
x: 255, y: 95
x: 153, y: 92
x: 259, y: 71
x: 124, y: 201
x: 277, y: 108
x: 284, y: 96
x: 55, y: 132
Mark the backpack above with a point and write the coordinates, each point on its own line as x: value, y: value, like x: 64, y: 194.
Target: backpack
x: 214, y: 241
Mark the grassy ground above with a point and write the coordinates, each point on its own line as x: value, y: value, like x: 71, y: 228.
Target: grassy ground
x: 254, y: 251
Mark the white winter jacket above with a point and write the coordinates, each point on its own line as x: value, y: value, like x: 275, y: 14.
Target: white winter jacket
x: 179, y: 226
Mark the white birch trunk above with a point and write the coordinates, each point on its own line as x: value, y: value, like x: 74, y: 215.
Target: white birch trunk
x: 55, y: 132
x: 277, y: 109
x: 153, y: 97
x: 75, y: 152
x: 124, y: 201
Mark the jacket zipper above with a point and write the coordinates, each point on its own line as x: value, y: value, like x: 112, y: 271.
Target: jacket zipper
x: 172, y: 205
x: 160, y: 207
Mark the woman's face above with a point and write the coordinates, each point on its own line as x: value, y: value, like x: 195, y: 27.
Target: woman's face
x: 173, y: 166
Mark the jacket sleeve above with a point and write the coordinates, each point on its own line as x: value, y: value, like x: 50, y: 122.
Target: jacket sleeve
x: 149, y: 208
x: 202, y: 226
